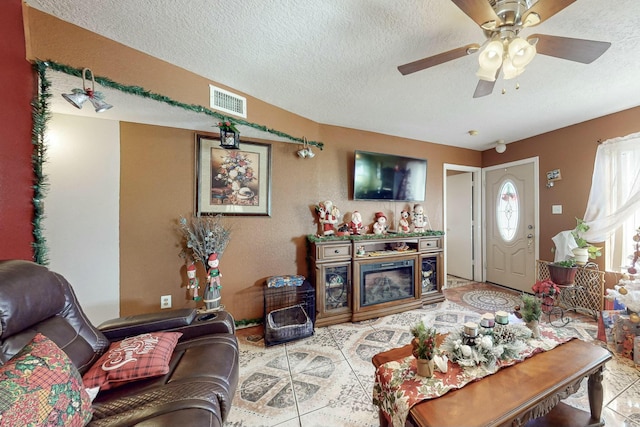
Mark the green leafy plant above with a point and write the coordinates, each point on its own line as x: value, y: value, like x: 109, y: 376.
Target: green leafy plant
x: 227, y: 126
x: 567, y: 263
x: 424, y: 342
x: 578, y: 232
x: 531, y: 308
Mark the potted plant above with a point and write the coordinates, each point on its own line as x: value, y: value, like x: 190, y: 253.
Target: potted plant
x: 563, y: 272
x: 424, y: 348
x: 531, y: 311
x: 585, y: 251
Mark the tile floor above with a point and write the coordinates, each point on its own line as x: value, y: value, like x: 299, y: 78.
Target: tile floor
x: 327, y: 379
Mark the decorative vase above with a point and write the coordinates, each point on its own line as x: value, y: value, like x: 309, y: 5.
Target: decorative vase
x: 581, y: 255
x: 211, y: 298
x: 425, y: 367
x: 534, y: 326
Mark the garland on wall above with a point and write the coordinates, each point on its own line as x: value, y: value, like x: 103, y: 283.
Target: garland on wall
x: 139, y: 91
x: 41, y: 115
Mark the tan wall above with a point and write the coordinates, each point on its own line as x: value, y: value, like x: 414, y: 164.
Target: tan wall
x: 157, y: 187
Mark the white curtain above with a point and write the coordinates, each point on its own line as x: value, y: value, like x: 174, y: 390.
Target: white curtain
x: 615, y: 187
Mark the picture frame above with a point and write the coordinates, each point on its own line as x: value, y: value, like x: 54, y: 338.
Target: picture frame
x: 232, y: 182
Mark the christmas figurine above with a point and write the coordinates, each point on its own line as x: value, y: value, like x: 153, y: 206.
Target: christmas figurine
x: 355, y: 225
x: 418, y: 219
x: 212, y: 293
x: 327, y: 218
x: 193, y: 281
x: 380, y: 226
x: 403, y: 224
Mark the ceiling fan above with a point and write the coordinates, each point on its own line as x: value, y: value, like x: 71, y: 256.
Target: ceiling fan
x: 504, y: 50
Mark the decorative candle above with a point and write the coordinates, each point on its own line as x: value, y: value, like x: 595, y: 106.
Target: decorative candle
x: 487, y: 320
x: 502, y: 317
x: 471, y: 329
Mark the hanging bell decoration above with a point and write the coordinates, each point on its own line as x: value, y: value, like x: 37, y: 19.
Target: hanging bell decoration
x: 78, y: 97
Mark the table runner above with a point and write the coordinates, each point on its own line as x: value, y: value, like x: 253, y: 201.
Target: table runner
x: 398, y: 388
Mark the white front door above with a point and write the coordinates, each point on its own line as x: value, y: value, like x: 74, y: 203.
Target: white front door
x: 511, y: 229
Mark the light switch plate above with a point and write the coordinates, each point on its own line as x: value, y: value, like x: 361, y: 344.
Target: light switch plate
x: 556, y: 209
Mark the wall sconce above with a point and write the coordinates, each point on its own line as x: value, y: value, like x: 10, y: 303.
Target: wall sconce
x: 78, y: 97
x: 229, y: 136
x: 501, y: 147
x: 305, y: 152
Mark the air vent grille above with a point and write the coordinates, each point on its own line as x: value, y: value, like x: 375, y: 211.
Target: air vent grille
x: 228, y: 102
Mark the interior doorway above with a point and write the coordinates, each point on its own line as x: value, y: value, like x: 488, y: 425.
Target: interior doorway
x: 462, y: 218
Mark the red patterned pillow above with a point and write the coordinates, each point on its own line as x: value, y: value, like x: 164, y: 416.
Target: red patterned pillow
x: 134, y: 358
x: 40, y: 386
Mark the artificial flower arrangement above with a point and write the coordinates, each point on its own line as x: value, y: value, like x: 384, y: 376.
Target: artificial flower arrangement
x: 547, y: 291
x: 227, y: 126
x: 424, y: 341
x: 503, y: 342
x: 203, y: 236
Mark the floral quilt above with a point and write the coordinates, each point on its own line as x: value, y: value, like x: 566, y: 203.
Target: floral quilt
x: 398, y: 388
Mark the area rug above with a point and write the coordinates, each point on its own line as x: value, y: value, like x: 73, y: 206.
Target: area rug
x: 491, y: 300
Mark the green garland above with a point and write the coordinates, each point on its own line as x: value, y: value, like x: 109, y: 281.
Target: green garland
x: 314, y: 238
x: 139, y: 91
x: 40, y: 115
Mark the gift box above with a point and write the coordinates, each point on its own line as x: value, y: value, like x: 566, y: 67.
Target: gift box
x: 624, y: 333
x: 289, y: 280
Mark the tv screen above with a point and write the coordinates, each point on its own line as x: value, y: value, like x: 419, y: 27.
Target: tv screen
x: 380, y: 176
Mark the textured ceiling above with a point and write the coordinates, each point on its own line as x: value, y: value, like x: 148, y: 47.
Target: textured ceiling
x: 335, y: 61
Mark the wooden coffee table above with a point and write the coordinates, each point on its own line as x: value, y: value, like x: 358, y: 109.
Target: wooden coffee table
x: 527, y: 393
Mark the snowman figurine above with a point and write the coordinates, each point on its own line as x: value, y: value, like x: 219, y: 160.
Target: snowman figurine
x: 380, y: 226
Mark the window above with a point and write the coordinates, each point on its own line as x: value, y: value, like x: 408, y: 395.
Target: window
x: 507, y: 210
x: 613, y: 210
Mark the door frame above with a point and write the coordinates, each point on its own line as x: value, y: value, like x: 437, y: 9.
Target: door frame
x: 478, y: 267
x: 536, y: 202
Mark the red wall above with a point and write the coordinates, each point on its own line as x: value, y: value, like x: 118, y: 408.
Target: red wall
x: 16, y: 176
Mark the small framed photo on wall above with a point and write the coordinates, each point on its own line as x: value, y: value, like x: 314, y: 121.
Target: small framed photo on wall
x: 232, y: 182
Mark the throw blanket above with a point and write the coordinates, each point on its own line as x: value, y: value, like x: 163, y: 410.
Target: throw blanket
x: 397, y: 386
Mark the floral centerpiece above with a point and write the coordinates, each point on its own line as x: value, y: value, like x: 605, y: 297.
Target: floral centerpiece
x: 424, y: 348
x: 547, y: 291
x: 424, y: 341
x: 227, y: 126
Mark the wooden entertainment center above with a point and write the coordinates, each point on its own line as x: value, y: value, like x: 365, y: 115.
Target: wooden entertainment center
x: 362, y: 277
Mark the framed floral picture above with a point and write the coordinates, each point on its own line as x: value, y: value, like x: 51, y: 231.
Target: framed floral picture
x: 232, y: 182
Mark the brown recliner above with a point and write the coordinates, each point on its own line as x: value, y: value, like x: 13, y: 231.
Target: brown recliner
x: 203, y: 373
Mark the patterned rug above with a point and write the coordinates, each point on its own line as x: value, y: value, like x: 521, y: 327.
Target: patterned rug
x: 491, y: 300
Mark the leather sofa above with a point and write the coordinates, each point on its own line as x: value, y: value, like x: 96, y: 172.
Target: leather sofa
x: 203, y: 369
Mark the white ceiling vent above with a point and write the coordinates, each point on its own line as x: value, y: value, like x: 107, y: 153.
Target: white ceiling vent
x: 228, y: 102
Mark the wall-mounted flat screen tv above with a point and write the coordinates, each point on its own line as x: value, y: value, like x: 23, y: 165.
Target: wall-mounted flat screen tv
x: 380, y: 176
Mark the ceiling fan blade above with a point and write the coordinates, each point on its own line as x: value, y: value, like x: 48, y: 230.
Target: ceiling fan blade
x: 480, y: 11
x: 545, y: 9
x: 579, y: 50
x: 484, y: 88
x: 421, y: 64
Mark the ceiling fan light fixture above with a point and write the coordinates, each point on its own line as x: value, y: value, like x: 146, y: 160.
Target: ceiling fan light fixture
x: 491, y: 57
x: 509, y: 71
x: 531, y: 19
x: 521, y: 52
x: 486, y: 74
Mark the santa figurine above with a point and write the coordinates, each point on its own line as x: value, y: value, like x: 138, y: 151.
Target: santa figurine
x: 403, y: 224
x: 193, y: 285
x: 327, y: 218
x: 419, y: 222
x: 380, y: 226
x: 355, y: 225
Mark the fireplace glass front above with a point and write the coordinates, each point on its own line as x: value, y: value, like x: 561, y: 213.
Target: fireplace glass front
x: 386, y: 281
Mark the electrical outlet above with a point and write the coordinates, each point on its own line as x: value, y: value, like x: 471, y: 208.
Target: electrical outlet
x: 165, y: 301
